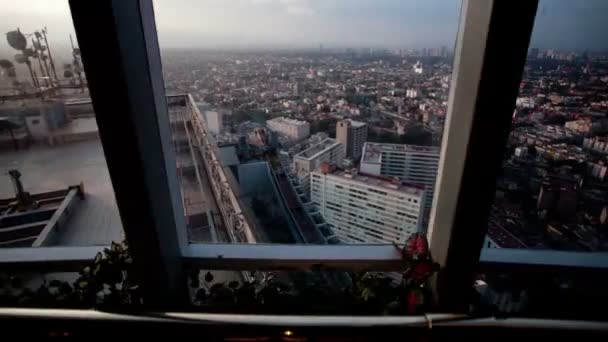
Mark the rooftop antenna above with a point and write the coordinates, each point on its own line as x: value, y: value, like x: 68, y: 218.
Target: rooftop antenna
x: 48, y: 49
x: 42, y: 57
x: 17, y: 41
x: 37, y: 53
x: 76, y: 63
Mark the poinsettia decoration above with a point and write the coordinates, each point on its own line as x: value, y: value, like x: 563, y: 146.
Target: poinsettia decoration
x: 419, y: 268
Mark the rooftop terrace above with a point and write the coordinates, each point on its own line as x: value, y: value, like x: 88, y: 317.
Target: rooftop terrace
x: 314, y: 150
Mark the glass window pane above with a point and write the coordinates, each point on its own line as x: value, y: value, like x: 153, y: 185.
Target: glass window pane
x: 320, y: 122
x: 551, y: 193
x: 547, y: 236
x: 55, y: 189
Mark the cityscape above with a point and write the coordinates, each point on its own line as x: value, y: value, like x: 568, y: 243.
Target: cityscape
x: 324, y: 144
x: 378, y: 114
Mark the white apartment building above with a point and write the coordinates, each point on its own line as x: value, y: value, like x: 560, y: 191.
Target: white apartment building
x: 367, y: 209
x: 327, y: 151
x: 352, y: 134
x: 411, y: 163
x: 214, y: 121
x: 293, y: 129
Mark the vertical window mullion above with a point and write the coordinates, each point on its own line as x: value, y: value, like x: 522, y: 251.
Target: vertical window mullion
x: 121, y: 58
x: 489, y: 60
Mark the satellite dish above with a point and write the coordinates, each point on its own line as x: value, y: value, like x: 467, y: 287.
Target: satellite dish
x: 68, y: 74
x: 16, y: 40
x: 21, y: 58
x: 6, y: 64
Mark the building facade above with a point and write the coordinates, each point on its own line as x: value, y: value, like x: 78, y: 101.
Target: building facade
x: 294, y: 129
x: 411, y: 163
x: 327, y: 151
x: 352, y: 134
x: 367, y: 209
x: 214, y: 121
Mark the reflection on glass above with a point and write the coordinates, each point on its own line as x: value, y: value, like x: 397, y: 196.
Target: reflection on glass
x: 320, y: 137
x: 54, y: 184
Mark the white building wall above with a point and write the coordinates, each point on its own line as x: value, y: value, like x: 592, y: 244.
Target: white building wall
x: 332, y: 154
x: 362, y: 213
x: 214, y: 121
x: 410, y: 164
x: 294, y: 129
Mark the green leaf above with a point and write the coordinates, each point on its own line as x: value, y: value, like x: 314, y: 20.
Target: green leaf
x: 98, y: 258
x: 115, y: 247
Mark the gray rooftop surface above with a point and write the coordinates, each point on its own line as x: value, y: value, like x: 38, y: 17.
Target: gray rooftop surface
x: 44, y: 168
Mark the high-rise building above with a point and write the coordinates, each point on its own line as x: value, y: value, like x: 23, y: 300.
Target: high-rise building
x: 327, y: 151
x: 412, y: 163
x: 294, y: 129
x: 214, y: 121
x: 367, y: 209
x: 352, y: 134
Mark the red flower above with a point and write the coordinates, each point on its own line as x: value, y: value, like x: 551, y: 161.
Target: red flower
x: 416, y: 247
x: 414, y: 300
x: 421, y: 271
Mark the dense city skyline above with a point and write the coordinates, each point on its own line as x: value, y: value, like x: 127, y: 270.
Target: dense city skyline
x: 256, y: 24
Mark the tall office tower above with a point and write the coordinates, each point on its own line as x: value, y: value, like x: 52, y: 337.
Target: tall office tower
x: 367, y: 209
x: 293, y: 129
x: 352, y: 134
x: 411, y: 163
x: 328, y: 151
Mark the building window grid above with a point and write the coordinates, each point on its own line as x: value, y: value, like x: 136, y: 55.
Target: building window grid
x: 387, y: 205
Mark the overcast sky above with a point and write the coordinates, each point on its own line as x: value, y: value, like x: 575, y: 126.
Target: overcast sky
x: 560, y: 24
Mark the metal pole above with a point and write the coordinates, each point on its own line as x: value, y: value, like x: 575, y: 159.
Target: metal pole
x: 41, y: 55
x: 48, y: 48
x: 34, y: 80
x: 42, y: 71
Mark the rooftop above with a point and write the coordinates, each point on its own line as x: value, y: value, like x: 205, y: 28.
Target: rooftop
x: 314, y: 150
x: 289, y: 121
x: 356, y: 124
x: 96, y: 220
x: 385, y: 183
x: 372, y: 152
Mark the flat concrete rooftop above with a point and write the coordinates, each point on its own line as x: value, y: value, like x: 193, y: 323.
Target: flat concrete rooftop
x: 45, y: 168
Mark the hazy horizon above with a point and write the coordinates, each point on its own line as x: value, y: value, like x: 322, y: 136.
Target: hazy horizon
x: 305, y: 24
